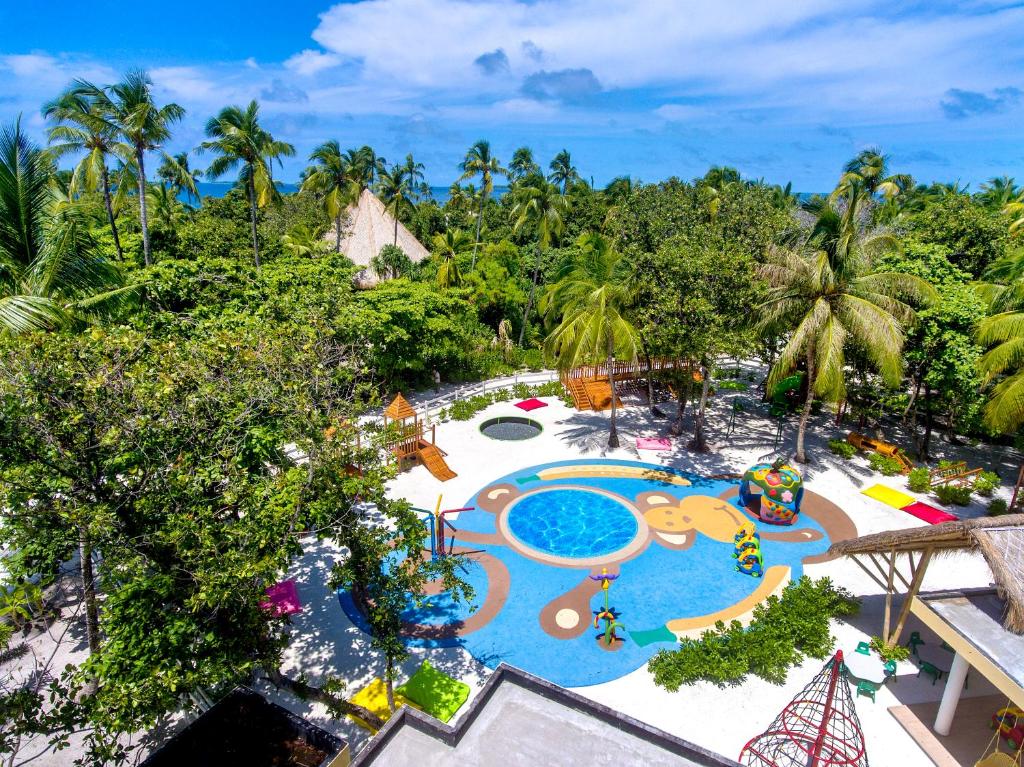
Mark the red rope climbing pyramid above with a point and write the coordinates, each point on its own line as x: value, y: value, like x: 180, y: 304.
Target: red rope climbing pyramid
x: 816, y: 729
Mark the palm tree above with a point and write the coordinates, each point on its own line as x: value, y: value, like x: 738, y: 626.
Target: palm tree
x: 300, y: 240
x: 83, y: 127
x: 824, y: 290
x: 365, y: 166
x: 589, y: 301
x: 563, y: 172
x: 522, y: 164
x: 1004, y: 332
x: 52, y: 274
x: 541, y: 207
x: 391, y: 262
x: 480, y: 161
x: 448, y: 246
x: 1015, y: 210
x: 167, y: 210
x: 175, y: 171
x: 330, y: 178
x: 237, y: 136
x: 869, y: 171
x: 143, y: 125
x: 398, y: 188
x: 998, y: 192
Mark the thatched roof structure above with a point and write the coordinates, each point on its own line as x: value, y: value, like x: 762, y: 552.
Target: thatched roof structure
x: 399, y: 409
x: 370, y: 227
x: 1000, y: 539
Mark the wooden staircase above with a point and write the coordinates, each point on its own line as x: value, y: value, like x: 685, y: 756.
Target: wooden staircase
x: 600, y: 395
x: 578, y: 391
x: 430, y: 456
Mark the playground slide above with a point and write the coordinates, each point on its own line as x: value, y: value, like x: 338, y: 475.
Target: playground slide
x: 431, y: 457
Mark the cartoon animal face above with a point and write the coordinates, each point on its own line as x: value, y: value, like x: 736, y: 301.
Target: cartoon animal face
x: 670, y: 518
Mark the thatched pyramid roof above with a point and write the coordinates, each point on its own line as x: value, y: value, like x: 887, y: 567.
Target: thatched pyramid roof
x: 399, y: 409
x: 1000, y: 539
x: 370, y: 228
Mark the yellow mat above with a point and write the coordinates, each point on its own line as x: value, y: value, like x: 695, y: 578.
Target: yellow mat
x: 889, y: 496
x: 375, y: 698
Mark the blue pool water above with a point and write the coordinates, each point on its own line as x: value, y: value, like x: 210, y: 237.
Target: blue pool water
x: 655, y: 585
x: 572, y: 523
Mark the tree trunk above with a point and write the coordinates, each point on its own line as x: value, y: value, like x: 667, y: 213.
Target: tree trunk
x: 389, y: 685
x: 476, y: 242
x: 396, y: 228
x: 337, y: 233
x: 333, y: 702
x: 650, y: 376
x: 805, y: 416
x: 529, y: 300
x: 251, y: 185
x: 143, y: 213
x: 684, y: 388
x: 699, y: 443
x: 110, y: 213
x: 929, y: 422
x: 92, y: 615
x: 613, y: 432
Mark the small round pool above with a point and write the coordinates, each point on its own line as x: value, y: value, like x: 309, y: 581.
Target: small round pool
x: 572, y: 524
x: 510, y: 428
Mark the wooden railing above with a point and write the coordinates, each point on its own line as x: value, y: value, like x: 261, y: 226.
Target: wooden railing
x: 622, y: 370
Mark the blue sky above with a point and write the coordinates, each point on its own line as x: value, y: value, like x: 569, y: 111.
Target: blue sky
x: 650, y: 88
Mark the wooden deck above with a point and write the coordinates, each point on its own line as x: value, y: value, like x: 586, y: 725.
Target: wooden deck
x: 590, y: 388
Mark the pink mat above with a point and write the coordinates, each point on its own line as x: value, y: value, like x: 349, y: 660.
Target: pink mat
x: 283, y: 599
x: 928, y: 513
x: 653, y: 443
x: 530, y: 404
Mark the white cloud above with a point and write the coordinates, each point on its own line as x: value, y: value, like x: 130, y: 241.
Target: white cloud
x: 185, y: 82
x: 309, y: 62
x: 30, y: 64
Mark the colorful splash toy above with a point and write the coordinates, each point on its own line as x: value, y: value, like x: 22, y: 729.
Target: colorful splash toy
x: 782, y: 490
x: 607, y: 614
x: 747, y: 551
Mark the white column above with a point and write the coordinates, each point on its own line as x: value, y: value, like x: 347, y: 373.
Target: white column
x: 951, y: 695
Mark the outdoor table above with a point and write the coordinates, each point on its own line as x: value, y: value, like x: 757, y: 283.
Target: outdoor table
x: 866, y: 667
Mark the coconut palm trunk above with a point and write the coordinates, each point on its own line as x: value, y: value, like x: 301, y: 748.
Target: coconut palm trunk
x: 476, y: 241
x: 529, y: 299
x: 337, y: 233
x: 613, y: 431
x: 251, y: 188
x: 395, y: 243
x: 805, y: 416
x: 110, y: 212
x: 143, y: 213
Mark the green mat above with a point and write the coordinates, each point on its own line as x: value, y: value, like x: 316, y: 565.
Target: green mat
x: 437, y: 694
x: 530, y: 478
x: 888, y: 496
x: 650, y: 636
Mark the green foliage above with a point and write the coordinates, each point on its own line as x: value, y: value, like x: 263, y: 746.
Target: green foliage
x: 997, y: 507
x: 953, y: 494
x: 732, y: 386
x: 886, y: 465
x: 782, y: 633
x: 465, y: 409
x: 974, y: 235
x: 889, y: 652
x: 986, y: 483
x: 842, y: 448
x: 919, y: 480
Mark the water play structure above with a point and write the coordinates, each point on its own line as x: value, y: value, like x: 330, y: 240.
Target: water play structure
x: 747, y: 551
x: 861, y: 442
x: 408, y: 440
x: 782, y: 490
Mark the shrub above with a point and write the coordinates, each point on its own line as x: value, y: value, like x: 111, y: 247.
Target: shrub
x: 919, y: 480
x: 986, y: 483
x: 888, y: 466
x: 731, y: 386
x: 888, y: 652
x: 783, y: 631
x: 842, y: 448
x: 464, y: 409
x: 996, y: 507
x: 953, y: 494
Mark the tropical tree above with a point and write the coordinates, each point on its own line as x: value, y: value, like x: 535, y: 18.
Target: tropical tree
x: 448, y: 246
x: 480, y: 162
x: 300, y: 240
x: 1015, y: 210
x: 166, y: 209
x: 398, y: 189
x: 365, y: 167
x: 998, y: 192
x: 144, y: 126
x: 589, y: 301
x: 330, y: 178
x: 241, y: 142
x: 563, y: 172
x: 391, y: 263
x: 522, y: 164
x: 540, y: 208
x: 869, y: 171
x: 175, y: 171
x: 52, y: 273
x: 83, y: 127
x: 824, y: 291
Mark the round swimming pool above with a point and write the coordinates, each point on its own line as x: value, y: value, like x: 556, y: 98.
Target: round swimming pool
x: 572, y: 524
x: 510, y: 428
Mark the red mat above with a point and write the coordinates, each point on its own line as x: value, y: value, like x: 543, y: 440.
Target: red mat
x: 928, y: 513
x: 530, y: 404
x: 283, y: 599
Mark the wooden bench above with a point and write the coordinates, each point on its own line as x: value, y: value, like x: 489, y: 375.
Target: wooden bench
x: 954, y: 474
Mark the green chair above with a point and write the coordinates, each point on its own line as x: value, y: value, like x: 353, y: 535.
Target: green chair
x: 889, y: 669
x: 931, y: 670
x: 863, y: 648
x: 867, y: 689
x: 915, y: 640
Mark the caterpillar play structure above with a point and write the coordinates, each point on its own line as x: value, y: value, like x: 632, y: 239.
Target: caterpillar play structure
x: 747, y: 551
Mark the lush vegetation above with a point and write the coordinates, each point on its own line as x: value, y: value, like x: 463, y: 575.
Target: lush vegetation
x: 157, y: 352
x: 783, y: 631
